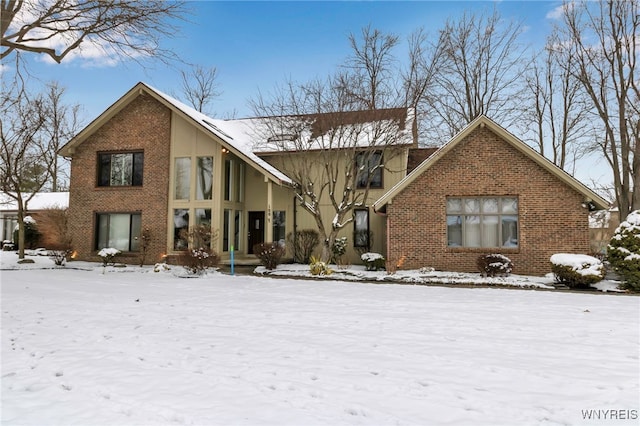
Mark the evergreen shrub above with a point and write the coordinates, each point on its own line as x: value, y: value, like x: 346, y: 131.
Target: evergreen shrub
x: 623, y: 251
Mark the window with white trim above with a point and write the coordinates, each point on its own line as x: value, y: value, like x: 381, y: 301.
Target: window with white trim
x: 482, y: 222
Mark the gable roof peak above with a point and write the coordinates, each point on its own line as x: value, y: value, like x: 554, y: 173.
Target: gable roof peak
x: 482, y: 121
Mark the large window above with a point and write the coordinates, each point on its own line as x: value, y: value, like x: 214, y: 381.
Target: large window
x: 482, y: 222
x: 279, y: 226
x: 369, y: 169
x: 120, y: 169
x: 118, y: 230
x: 361, y: 237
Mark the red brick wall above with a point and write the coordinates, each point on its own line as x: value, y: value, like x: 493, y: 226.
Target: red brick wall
x: 551, y: 218
x: 144, y: 124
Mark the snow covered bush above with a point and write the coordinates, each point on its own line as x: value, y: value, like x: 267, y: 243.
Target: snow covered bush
x: 339, y: 248
x: 317, y: 267
x: 108, y: 255
x: 303, y: 243
x: 492, y: 265
x: 270, y: 254
x: 576, y: 270
x: 59, y: 257
x: 623, y: 251
x: 373, y: 261
x: 197, y: 261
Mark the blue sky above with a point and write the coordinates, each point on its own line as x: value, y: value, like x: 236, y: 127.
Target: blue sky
x: 257, y: 45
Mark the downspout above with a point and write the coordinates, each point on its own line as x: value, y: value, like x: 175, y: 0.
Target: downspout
x: 295, y: 226
x: 386, y: 223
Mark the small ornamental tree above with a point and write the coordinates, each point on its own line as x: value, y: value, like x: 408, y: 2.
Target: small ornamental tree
x: 623, y: 251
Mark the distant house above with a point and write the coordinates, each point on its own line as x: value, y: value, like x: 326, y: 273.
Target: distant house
x: 40, y: 201
x: 149, y: 161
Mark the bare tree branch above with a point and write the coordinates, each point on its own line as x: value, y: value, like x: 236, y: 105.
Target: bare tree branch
x: 200, y: 87
x: 603, y: 37
x: 56, y: 28
x: 479, y: 70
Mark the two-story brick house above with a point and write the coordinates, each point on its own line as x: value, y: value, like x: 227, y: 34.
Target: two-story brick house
x: 152, y: 162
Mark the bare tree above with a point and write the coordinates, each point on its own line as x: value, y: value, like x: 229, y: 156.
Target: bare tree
x: 22, y: 120
x: 371, y: 68
x: 603, y: 37
x: 55, y: 28
x: 558, y: 109
x: 418, y: 79
x: 335, y: 136
x: 200, y: 87
x: 62, y: 124
x: 480, y: 65
x: 331, y: 152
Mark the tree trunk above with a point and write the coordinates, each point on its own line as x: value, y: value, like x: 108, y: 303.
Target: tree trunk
x: 20, y: 230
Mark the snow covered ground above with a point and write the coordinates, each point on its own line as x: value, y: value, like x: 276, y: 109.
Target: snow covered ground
x: 127, y: 346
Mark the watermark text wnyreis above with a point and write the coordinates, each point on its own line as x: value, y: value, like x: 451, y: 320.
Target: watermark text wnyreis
x: 610, y: 414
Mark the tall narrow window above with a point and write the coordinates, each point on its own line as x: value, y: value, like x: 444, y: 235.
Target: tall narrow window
x: 237, y: 222
x: 482, y: 222
x: 361, y: 229
x: 227, y: 179
x: 279, y: 226
x: 182, y: 178
x: 204, y: 178
x: 226, y: 232
x: 120, y: 169
x: 238, y: 181
x: 180, y: 229
x: 118, y: 230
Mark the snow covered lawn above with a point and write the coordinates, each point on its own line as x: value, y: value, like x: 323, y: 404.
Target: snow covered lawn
x: 135, y: 347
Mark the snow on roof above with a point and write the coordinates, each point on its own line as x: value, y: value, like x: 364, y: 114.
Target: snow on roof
x: 40, y: 201
x: 334, y: 130
x: 231, y: 135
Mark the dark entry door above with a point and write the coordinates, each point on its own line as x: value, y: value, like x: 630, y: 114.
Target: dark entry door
x: 256, y: 229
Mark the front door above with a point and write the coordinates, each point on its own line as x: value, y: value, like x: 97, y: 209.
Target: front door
x: 256, y: 229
